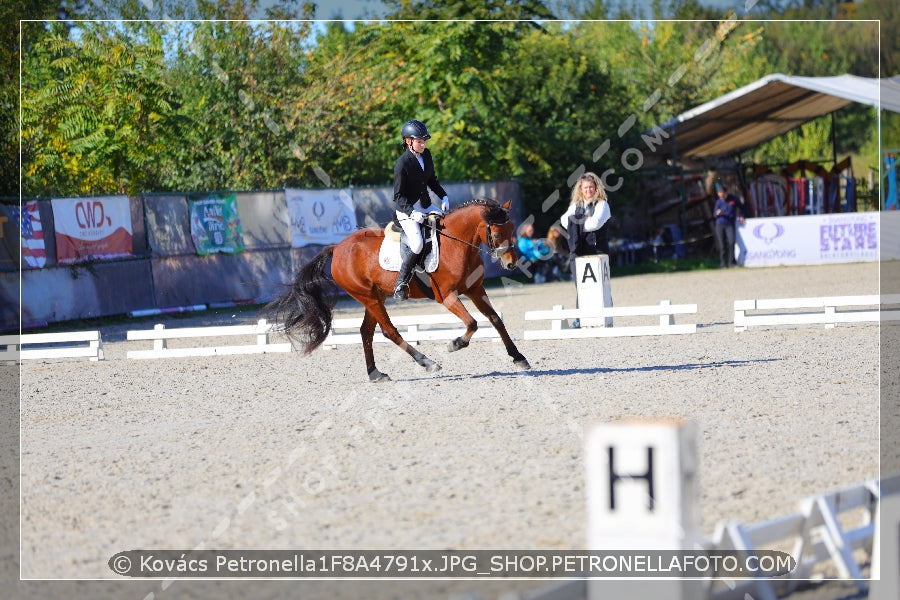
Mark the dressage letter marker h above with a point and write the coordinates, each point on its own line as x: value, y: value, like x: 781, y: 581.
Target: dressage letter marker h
x: 642, y: 496
x: 641, y: 485
x: 593, y: 288
x: 615, y: 478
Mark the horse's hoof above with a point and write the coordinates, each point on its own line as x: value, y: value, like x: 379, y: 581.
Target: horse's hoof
x: 522, y: 364
x: 431, y: 367
x: 377, y: 376
x: 457, y: 344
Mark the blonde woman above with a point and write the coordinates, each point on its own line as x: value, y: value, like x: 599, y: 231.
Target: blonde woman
x: 587, y: 218
x: 586, y: 221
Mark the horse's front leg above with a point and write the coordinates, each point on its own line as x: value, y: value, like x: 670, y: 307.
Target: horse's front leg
x: 367, y: 332
x: 455, y: 305
x: 480, y: 299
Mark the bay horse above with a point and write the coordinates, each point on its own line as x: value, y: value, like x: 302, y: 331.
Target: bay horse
x: 305, y: 309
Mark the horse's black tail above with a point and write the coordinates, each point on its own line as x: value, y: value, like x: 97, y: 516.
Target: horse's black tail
x: 304, y: 311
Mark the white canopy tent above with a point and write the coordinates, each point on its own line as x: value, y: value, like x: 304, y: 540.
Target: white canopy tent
x: 766, y: 109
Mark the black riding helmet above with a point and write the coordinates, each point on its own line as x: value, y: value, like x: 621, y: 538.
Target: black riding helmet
x: 414, y: 129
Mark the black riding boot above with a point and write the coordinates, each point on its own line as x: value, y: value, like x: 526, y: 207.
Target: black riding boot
x: 407, y: 262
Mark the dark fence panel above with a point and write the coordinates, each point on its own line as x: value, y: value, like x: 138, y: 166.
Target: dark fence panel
x: 168, y: 225
x: 189, y: 280
x: 83, y: 292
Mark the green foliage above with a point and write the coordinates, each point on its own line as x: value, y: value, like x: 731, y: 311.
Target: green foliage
x: 505, y: 90
x: 236, y: 80
x: 96, y: 112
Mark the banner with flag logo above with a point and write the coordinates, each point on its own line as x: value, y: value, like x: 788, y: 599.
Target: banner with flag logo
x: 320, y: 216
x: 216, y: 225
x: 22, y: 232
x: 92, y: 228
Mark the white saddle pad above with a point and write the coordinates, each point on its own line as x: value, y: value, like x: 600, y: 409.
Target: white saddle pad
x: 389, y: 254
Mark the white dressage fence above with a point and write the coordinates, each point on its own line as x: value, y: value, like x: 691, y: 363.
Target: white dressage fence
x: 160, y: 336
x: 418, y: 328
x: 865, y: 308
x: 446, y: 326
x: 343, y: 331
x: 38, y: 346
x: 559, y: 327
x: 828, y: 529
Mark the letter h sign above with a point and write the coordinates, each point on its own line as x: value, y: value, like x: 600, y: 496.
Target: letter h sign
x: 615, y: 478
x: 641, y: 485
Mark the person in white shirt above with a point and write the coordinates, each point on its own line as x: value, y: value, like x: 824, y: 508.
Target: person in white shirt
x: 587, y: 221
x: 587, y: 218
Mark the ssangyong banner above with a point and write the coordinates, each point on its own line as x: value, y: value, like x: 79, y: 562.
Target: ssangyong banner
x: 320, y: 216
x: 808, y: 240
x: 92, y: 228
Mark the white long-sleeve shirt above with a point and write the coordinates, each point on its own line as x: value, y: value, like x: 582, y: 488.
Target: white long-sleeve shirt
x: 592, y: 223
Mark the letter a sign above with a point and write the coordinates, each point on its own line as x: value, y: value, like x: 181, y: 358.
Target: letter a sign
x: 593, y: 287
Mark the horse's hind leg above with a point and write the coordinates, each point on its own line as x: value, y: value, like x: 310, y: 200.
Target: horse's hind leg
x: 367, y: 332
x: 375, y: 312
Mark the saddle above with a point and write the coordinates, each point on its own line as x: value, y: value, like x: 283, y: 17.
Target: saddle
x: 429, y: 258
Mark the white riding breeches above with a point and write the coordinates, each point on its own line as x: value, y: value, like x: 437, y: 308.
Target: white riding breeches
x: 412, y: 230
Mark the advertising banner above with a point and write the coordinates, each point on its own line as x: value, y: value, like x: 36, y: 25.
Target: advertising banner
x: 320, y: 217
x: 92, y: 228
x: 216, y: 225
x: 21, y: 232
x: 808, y: 240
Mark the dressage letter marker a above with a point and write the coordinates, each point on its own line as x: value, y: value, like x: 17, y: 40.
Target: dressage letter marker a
x: 593, y: 287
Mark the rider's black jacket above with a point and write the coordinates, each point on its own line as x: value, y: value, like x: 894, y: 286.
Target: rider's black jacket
x: 411, y: 183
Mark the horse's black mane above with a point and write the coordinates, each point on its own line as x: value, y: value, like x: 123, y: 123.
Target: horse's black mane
x: 496, y: 215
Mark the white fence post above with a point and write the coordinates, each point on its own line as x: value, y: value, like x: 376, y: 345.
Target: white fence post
x: 160, y: 344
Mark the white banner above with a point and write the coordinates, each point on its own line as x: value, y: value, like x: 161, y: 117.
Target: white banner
x: 92, y: 228
x: 320, y: 217
x: 808, y: 240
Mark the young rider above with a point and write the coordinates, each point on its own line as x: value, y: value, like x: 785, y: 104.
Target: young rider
x: 413, y: 176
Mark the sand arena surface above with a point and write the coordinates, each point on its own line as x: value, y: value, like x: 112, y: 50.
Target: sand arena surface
x: 287, y: 451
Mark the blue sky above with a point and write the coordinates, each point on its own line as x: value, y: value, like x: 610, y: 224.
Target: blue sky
x: 349, y: 9
x: 360, y: 9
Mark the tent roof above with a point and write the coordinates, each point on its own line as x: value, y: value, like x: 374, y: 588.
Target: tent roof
x: 768, y: 108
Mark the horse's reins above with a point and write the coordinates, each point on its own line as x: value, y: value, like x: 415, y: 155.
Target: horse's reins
x: 496, y: 251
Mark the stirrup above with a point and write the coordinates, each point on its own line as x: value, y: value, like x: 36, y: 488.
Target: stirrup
x: 401, y: 292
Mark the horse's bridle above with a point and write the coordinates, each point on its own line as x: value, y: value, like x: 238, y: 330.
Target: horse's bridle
x: 489, y: 237
x: 492, y: 242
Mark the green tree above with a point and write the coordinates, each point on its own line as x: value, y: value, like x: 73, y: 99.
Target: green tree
x: 11, y: 13
x: 237, y: 79
x: 102, y: 114
x: 888, y: 13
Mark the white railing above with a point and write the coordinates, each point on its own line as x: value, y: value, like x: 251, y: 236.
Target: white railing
x: 14, y: 348
x: 161, y: 336
x: 559, y: 327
